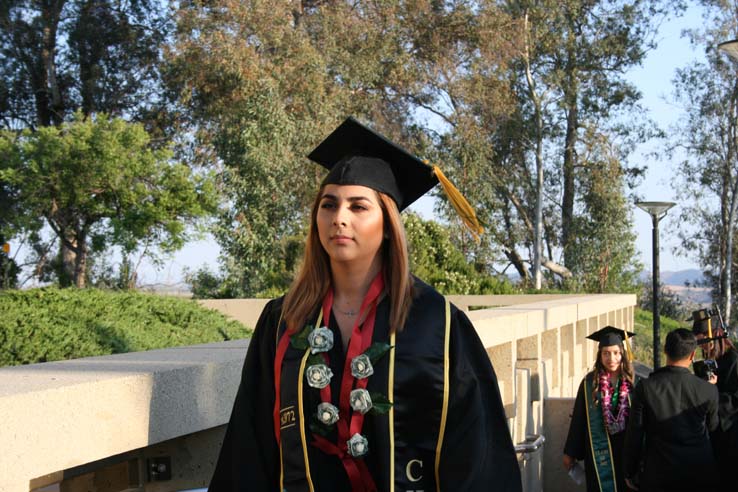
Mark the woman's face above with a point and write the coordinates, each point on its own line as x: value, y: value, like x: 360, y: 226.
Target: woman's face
x: 610, y: 357
x: 350, y: 223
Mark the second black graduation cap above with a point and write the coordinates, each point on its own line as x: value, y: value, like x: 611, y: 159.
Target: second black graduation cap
x: 610, y: 335
x: 704, y: 322
x: 357, y: 155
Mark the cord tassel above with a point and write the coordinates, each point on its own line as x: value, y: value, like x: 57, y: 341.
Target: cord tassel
x: 628, y: 348
x: 460, y: 204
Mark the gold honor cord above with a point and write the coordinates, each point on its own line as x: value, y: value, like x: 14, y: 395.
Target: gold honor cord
x: 391, y: 398
x: 301, y: 409
x: 444, y: 410
x: 461, y: 205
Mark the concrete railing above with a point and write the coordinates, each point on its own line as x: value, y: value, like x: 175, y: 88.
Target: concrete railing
x: 153, y: 421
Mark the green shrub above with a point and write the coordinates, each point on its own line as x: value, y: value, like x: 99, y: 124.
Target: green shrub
x: 40, y: 325
x: 643, y: 342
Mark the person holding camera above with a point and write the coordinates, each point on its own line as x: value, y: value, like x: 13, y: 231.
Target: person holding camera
x: 721, y: 358
x: 672, y: 414
x: 597, y: 428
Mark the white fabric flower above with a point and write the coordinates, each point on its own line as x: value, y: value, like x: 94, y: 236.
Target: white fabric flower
x: 319, y: 376
x: 358, y: 445
x: 320, y: 340
x: 360, y: 400
x: 327, y: 413
x: 361, y: 367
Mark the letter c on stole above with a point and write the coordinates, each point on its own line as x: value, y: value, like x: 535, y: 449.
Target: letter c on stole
x: 408, y: 470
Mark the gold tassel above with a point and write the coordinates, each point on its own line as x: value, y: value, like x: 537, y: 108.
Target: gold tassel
x: 709, y: 327
x: 628, y: 348
x: 460, y: 204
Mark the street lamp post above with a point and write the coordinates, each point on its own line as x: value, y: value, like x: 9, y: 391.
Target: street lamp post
x: 657, y: 211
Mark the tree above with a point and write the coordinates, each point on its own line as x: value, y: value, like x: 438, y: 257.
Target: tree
x: 264, y: 81
x: 97, y: 183
x: 568, y: 79
x: 604, y: 251
x: 708, y: 172
x: 95, y: 56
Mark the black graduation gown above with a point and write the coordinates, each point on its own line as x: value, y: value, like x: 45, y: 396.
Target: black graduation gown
x: 477, y: 450
x: 672, y: 413
x: 725, y: 438
x: 578, y: 444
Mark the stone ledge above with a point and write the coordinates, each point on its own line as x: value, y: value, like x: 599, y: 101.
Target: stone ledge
x: 63, y: 414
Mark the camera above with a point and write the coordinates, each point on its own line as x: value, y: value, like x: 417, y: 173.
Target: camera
x: 705, y: 369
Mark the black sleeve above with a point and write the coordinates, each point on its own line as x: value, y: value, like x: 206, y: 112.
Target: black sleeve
x: 576, y: 440
x: 249, y: 457
x: 728, y: 388
x: 634, y: 435
x: 477, y: 448
x: 713, y: 421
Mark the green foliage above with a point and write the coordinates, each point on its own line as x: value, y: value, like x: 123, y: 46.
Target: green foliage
x: 435, y: 259
x: 98, y: 183
x: 705, y: 141
x: 601, y: 252
x: 643, y: 327
x: 41, y: 325
x: 264, y: 82
x: 57, y: 57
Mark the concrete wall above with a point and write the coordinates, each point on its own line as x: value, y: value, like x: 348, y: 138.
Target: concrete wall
x: 102, y: 423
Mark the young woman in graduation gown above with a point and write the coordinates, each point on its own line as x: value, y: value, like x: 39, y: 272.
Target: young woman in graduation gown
x: 715, y: 345
x: 362, y: 377
x: 600, y: 414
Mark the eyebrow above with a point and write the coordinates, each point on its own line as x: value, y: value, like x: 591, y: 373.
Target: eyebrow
x: 350, y: 199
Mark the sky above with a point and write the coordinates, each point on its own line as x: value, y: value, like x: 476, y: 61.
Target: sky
x: 653, y: 78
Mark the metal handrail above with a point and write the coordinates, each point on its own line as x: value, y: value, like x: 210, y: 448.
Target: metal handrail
x: 531, y: 443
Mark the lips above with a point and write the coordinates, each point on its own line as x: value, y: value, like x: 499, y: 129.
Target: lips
x: 340, y: 239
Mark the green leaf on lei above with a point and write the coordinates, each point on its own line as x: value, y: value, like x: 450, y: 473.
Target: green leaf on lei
x: 380, y: 404
x: 318, y: 427
x: 377, y: 351
x: 300, y: 341
x: 315, y: 359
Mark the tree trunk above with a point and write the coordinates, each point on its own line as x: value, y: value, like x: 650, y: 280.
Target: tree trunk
x: 80, y: 265
x: 518, y: 264
x: 68, y: 256
x: 567, y: 199
x: 49, y: 105
x: 570, y: 156
x: 538, y: 220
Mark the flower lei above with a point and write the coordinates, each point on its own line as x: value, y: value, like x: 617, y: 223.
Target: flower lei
x: 614, y: 423
x: 354, y: 400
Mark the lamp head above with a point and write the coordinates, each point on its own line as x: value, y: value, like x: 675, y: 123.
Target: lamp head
x: 655, y: 209
x: 730, y: 48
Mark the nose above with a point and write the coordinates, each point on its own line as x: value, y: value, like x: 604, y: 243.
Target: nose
x: 339, y: 218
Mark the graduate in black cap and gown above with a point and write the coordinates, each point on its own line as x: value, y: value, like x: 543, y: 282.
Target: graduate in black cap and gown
x: 601, y: 410
x: 713, y: 339
x: 362, y: 377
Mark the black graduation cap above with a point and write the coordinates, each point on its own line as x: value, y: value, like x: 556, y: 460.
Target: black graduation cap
x: 704, y: 322
x: 610, y: 335
x: 357, y: 155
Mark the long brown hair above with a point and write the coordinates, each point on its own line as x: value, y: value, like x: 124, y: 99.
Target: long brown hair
x: 717, y: 348
x: 314, y: 278
x: 626, y: 367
